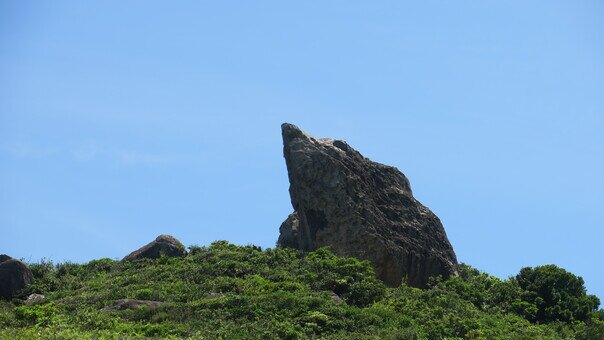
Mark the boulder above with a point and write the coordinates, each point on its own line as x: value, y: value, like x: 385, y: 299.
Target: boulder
x: 360, y: 208
x: 14, y: 276
x: 165, y: 245
x: 34, y: 299
x: 124, y: 304
x: 336, y: 298
x: 214, y: 295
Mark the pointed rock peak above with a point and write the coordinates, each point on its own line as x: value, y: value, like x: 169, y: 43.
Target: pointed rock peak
x: 292, y: 133
x: 360, y: 208
x: 295, y: 139
x: 4, y: 257
x: 290, y: 130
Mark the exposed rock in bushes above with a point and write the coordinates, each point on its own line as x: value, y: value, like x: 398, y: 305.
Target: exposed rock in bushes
x: 131, y: 304
x: 14, y: 276
x: 360, y: 208
x: 336, y: 298
x: 213, y: 295
x: 33, y: 299
x: 165, y: 245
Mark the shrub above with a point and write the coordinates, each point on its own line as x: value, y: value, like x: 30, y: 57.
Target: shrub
x: 286, y: 294
x: 556, y: 294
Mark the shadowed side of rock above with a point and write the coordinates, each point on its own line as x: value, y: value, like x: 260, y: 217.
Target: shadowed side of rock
x: 360, y: 208
x: 289, y: 232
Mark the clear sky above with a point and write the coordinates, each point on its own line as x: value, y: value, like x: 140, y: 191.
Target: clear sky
x: 121, y: 120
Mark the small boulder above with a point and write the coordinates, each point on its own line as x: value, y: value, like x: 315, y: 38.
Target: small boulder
x: 14, y: 276
x: 336, y: 298
x: 165, y: 245
x: 124, y: 304
x: 34, y: 299
x: 213, y: 295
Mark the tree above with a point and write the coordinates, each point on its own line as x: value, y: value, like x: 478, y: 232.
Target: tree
x: 556, y: 294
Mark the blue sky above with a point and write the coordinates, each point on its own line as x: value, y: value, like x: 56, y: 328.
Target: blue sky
x: 121, y: 120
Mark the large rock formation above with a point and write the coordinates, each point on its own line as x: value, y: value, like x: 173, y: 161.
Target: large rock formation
x: 165, y: 245
x: 360, y: 208
x: 14, y: 276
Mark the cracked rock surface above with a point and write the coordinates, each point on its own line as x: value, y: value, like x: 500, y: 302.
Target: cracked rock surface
x: 360, y: 208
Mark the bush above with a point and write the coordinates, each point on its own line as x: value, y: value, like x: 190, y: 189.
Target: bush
x: 226, y: 291
x: 556, y: 294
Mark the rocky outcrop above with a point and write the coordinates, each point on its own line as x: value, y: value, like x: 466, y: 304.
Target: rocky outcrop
x: 165, y: 245
x: 14, y: 276
x: 360, y: 208
x: 124, y: 304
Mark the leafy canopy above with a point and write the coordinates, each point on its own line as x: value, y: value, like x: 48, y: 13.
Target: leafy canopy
x: 556, y: 294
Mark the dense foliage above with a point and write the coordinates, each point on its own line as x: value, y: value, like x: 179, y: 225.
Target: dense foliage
x: 227, y: 291
x: 555, y: 294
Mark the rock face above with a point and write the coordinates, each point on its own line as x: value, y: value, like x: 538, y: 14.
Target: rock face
x: 360, y: 208
x: 14, y: 276
x: 163, y: 245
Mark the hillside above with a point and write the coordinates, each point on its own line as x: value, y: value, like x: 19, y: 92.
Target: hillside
x: 227, y: 291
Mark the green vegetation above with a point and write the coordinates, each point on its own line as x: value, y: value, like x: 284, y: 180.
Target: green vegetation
x: 282, y: 293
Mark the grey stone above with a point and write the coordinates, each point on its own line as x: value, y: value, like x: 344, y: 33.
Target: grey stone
x: 214, y: 295
x: 14, y: 277
x: 336, y: 298
x: 288, y: 232
x: 34, y: 299
x: 124, y: 304
x: 165, y: 245
x: 360, y: 208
